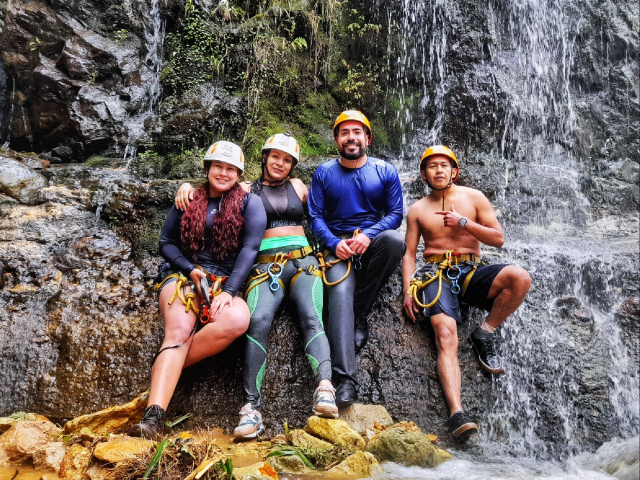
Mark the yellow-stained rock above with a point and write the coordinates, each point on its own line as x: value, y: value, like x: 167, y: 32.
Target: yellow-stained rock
x: 119, y: 449
x: 257, y: 471
x: 335, y: 431
x: 49, y: 457
x: 116, y: 419
x: 432, y: 438
x: 288, y: 464
x: 408, y: 426
x: 7, y: 422
x: 302, y: 439
x: 24, y: 438
x: 362, y: 417
x: 96, y: 471
x: 411, y: 448
x: 75, y: 462
x: 360, y: 464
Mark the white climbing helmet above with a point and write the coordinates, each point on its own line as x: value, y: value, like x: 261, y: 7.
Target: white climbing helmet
x: 285, y: 143
x: 226, y: 152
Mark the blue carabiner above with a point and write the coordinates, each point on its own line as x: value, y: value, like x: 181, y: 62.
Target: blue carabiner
x: 275, y: 286
x: 455, y: 288
x: 357, y: 262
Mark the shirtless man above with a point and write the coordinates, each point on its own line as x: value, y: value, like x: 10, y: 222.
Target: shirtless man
x: 457, y: 219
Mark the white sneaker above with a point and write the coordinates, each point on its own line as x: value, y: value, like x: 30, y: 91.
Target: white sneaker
x: 250, y: 425
x: 324, y: 402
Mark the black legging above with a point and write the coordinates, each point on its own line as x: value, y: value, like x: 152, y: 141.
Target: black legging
x: 263, y: 303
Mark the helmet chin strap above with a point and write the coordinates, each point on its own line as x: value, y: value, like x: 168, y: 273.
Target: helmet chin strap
x: 441, y: 190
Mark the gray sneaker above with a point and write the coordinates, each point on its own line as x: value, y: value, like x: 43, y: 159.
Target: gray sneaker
x: 324, y: 402
x: 250, y: 425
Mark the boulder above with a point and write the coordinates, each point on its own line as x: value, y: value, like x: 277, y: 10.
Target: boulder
x: 119, y: 449
x: 411, y: 448
x: 75, y: 462
x: 360, y: 464
x: 23, y: 439
x: 7, y: 422
x: 49, y: 457
x: 257, y: 471
x: 96, y: 471
x: 335, y: 431
x: 408, y: 426
x: 362, y: 417
x: 302, y: 439
x: 288, y: 464
x: 116, y: 419
x: 20, y: 182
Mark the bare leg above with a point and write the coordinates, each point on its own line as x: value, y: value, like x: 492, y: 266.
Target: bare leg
x: 167, y: 368
x: 218, y: 334
x: 446, y: 331
x: 509, y: 289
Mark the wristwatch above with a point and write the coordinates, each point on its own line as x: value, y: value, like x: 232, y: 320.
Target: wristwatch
x: 463, y: 221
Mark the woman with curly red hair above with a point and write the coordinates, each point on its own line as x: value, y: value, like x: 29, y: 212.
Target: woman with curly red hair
x: 215, y: 239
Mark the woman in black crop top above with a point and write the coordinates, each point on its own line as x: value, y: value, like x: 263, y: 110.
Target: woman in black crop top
x: 284, y: 201
x: 216, y: 238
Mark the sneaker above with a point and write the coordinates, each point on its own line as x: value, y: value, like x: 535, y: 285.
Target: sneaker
x: 324, y: 402
x: 361, y: 333
x: 346, y: 394
x: 152, y: 424
x: 250, y: 425
x: 461, y: 426
x: 484, y: 345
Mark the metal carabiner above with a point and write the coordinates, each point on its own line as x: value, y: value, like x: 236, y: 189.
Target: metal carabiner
x: 275, y: 286
x: 357, y: 262
x: 455, y: 288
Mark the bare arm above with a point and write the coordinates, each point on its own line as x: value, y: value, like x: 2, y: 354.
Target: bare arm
x: 300, y: 188
x: 487, y: 229
x: 184, y: 196
x: 412, y: 239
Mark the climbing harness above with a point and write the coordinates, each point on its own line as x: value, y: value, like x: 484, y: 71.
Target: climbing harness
x: 448, y: 262
x: 323, y: 264
x: 187, y: 299
x: 275, y: 267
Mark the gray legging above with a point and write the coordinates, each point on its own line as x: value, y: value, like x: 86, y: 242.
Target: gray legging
x: 263, y: 303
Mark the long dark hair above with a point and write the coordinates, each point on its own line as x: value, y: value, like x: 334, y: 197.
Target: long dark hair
x: 226, y: 226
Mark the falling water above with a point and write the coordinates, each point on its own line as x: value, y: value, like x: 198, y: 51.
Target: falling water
x: 154, y: 32
x: 538, y: 407
x: 12, y: 102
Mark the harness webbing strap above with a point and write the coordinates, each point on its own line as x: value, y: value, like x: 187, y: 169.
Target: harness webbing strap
x: 323, y: 265
x: 416, y: 285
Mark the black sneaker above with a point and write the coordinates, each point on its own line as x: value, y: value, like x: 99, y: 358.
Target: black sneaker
x: 361, y: 333
x: 484, y: 345
x: 345, y: 394
x: 461, y: 426
x: 152, y: 425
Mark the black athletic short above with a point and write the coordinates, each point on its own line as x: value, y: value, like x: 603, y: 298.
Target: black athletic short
x: 475, y: 294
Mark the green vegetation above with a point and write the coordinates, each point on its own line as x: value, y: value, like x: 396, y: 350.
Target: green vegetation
x: 295, y: 64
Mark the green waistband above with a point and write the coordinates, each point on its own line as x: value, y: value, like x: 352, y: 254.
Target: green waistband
x: 288, y: 241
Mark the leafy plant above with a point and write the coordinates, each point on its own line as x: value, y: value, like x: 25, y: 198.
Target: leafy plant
x: 155, y: 460
x: 298, y: 44
x: 178, y: 420
x: 287, y: 451
x: 35, y: 45
x: 226, y: 467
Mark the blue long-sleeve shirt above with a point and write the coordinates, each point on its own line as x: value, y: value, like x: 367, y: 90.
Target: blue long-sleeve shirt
x: 343, y: 199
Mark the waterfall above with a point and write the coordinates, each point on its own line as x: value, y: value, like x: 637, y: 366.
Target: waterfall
x: 565, y: 338
x: 153, y: 35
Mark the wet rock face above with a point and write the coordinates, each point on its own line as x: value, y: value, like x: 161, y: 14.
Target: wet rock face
x: 72, y: 80
x: 20, y: 182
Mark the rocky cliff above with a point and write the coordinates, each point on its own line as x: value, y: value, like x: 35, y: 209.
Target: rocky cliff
x: 545, y: 125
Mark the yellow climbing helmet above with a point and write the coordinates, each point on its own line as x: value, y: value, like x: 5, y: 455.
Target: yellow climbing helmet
x: 226, y: 152
x: 441, y: 150
x: 285, y: 143
x: 352, y: 115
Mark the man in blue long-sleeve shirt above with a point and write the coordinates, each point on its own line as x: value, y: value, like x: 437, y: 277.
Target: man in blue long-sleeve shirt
x: 355, y: 193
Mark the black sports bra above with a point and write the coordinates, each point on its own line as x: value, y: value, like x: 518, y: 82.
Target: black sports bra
x: 283, y: 205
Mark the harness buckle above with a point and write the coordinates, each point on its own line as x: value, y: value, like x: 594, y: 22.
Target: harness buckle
x: 275, y: 276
